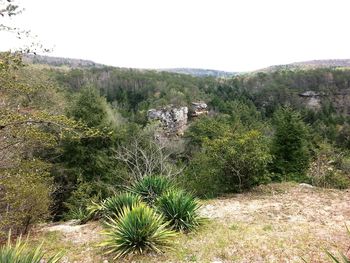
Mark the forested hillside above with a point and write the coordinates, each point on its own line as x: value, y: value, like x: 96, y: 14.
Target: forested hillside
x: 313, y: 64
x: 200, y: 72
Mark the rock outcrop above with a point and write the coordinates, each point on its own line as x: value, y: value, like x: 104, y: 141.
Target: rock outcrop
x: 312, y: 99
x: 339, y: 99
x: 198, y: 108
x: 173, y: 119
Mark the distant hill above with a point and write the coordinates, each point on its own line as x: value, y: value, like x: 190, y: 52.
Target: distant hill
x: 200, y: 72
x: 196, y: 72
x: 312, y: 64
x: 81, y: 63
x: 60, y: 62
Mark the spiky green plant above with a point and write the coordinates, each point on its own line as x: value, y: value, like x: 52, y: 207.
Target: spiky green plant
x: 21, y: 253
x: 335, y: 259
x: 138, y: 230
x: 114, y: 206
x: 151, y: 187
x: 342, y: 258
x: 80, y: 214
x: 181, y: 209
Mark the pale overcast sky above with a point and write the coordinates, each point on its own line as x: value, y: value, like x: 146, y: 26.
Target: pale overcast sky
x: 232, y: 35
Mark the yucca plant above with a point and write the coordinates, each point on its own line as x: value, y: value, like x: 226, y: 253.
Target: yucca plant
x: 21, y: 253
x: 80, y: 214
x: 138, y: 230
x: 181, y: 209
x: 342, y: 258
x: 114, y: 206
x: 151, y: 187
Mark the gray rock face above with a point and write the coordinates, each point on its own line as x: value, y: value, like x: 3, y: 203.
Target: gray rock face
x: 173, y: 120
x: 312, y: 99
x: 309, y: 93
x: 198, y: 108
x: 340, y: 100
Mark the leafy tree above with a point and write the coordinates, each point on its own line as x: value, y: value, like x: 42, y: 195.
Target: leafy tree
x: 204, y: 129
x: 290, y: 145
x: 25, y: 197
x: 26, y: 131
x: 235, y: 161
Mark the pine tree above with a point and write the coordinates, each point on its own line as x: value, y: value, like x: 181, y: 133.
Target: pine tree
x: 289, y: 146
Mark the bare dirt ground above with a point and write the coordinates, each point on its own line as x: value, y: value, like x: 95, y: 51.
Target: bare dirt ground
x: 273, y: 223
x: 300, y: 203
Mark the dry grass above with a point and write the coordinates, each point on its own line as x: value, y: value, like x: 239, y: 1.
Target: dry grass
x: 274, y: 223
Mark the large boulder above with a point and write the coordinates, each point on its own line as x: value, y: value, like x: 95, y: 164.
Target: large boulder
x: 198, y: 108
x: 172, y: 119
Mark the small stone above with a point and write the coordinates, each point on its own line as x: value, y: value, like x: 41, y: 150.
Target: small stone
x: 306, y: 185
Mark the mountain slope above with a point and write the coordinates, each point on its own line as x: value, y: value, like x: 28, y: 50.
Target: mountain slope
x: 312, y: 64
x: 82, y: 63
x: 60, y: 62
x: 196, y: 72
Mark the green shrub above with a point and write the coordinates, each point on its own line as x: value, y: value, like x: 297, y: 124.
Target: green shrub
x: 114, y: 206
x: 24, y: 198
x: 202, y: 176
x: 332, y: 179
x: 338, y: 180
x: 180, y: 209
x: 151, y: 187
x: 139, y: 230
x: 20, y: 253
x: 233, y: 163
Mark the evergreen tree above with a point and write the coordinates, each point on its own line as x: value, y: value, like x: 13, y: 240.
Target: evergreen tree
x: 90, y: 108
x: 86, y: 168
x: 289, y: 146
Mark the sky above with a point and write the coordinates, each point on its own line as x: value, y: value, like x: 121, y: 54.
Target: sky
x: 231, y: 35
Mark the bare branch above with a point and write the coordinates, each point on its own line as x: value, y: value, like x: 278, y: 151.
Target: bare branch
x: 143, y: 159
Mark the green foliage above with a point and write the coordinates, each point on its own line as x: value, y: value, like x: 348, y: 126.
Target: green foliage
x: 337, y: 180
x: 90, y: 108
x: 132, y: 90
x: 115, y: 205
x: 151, y: 187
x: 206, y: 128
x: 180, y: 209
x: 81, y: 198
x: 21, y: 253
x: 289, y: 145
x: 202, y: 176
x: 32, y: 124
x: 236, y: 161
x: 85, y: 167
x: 329, y: 168
x: 79, y: 213
x: 139, y: 230
x: 24, y: 198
